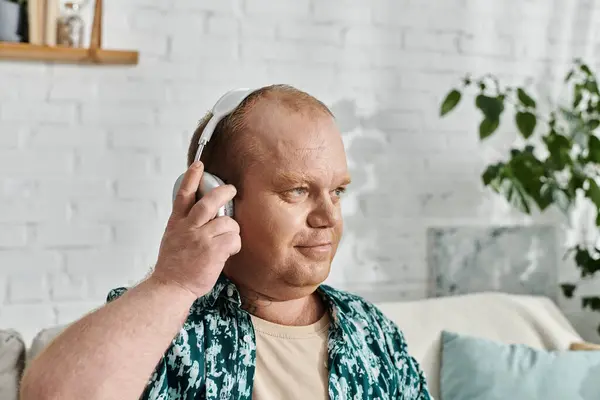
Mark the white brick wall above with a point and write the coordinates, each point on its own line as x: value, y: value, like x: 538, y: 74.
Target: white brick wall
x: 88, y: 154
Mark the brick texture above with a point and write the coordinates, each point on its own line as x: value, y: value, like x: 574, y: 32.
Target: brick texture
x: 88, y: 154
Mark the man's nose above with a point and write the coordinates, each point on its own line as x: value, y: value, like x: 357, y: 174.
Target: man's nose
x: 325, y: 214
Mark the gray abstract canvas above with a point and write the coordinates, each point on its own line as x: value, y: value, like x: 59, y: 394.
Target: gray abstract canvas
x: 516, y: 260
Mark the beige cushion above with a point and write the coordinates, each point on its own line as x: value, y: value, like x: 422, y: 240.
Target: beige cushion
x: 41, y: 340
x: 12, y: 362
x: 529, y: 320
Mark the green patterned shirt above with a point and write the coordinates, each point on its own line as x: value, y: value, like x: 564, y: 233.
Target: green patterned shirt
x: 213, y: 355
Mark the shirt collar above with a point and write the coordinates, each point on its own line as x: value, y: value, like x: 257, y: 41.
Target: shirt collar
x: 225, y: 290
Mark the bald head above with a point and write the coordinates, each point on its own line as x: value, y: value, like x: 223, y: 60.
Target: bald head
x: 243, y: 137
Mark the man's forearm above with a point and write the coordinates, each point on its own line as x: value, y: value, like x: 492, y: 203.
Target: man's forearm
x: 111, y: 352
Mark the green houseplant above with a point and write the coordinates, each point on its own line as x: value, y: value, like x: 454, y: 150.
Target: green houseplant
x: 559, y: 162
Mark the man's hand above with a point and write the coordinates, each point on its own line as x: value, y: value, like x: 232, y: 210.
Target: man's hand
x: 195, y: 246
x: 148, y: 316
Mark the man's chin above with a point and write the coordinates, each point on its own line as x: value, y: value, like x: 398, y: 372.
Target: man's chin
x: 310, y: 276
x: 298, y: 279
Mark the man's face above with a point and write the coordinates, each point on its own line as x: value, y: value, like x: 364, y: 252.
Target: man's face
x: 289, y: 213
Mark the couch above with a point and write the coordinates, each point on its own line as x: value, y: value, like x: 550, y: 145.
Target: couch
x: 530, y: 320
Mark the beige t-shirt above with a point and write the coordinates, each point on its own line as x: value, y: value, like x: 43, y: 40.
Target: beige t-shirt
x: 291, y: 361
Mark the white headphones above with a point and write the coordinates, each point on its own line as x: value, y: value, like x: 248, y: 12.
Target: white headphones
x: 223, y: 107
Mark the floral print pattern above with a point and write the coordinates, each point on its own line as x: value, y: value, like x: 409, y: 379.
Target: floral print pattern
x: 213, y: 355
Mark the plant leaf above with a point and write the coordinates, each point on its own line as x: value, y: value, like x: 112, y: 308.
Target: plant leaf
x: 550, y: 194
x: 450, y: 102
x: 491, y: 107
x: 576, y: 182
x: 593, y: 302
x: 582, y: 257
x: 593, y: 192
x: 577, y: 95
x: 593, y: 267
x: 487, y: 127
x: 526, y: 122
x: 568, y: 289
x: 558, y: 147
x: 586, y: 263
x: 594, y: 149
x: 529, y: 172
x: 491, y: 173
x: 525, y: 99
x: 518, y: 199
x: 569, y: 75
x: 592, y: 86
x: 515, y: 194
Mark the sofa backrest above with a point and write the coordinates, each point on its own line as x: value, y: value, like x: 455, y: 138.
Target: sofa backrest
x: 12, y: 362
x: 530, y: 320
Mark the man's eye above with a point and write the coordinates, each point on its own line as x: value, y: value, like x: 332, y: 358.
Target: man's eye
x: 340, y: 191
x: 299, y: 191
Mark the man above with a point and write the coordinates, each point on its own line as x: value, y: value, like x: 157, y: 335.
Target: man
x: 235, y: 307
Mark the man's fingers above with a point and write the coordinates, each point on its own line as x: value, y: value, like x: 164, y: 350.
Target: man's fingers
x: 206, y: 208
x: 229, y: 242
x: 221, y: 225
x: 186, y: 195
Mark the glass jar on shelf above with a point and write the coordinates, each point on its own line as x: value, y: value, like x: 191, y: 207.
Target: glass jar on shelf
x: 70, y: 26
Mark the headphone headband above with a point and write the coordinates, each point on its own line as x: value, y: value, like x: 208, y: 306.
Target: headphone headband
x: 223, y: 107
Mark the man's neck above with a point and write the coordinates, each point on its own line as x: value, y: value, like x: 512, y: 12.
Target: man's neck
x: 298, y: 312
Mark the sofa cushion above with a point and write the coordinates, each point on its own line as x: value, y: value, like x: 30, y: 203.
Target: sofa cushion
x: 12, y: 362
x: 531, y: 320
x: 481, y: 369
x: 41, y: 340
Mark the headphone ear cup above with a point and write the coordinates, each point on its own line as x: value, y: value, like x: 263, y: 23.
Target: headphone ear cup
x: 176, y: 187
x: 208, y: 183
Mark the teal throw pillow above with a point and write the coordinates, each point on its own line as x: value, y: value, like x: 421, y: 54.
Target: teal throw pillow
x: 479, y: 369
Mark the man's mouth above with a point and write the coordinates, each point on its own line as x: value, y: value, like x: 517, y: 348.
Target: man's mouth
x: 315, y: 250
x: 316, y: 245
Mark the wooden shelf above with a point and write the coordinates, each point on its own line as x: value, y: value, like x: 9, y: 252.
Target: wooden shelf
x: 29, y: 52
x: 94, y: 55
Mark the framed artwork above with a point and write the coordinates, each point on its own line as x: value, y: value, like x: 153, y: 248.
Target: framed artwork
x: 516, y: 260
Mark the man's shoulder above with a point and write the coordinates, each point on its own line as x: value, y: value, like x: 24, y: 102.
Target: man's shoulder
x: 198, y: 308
